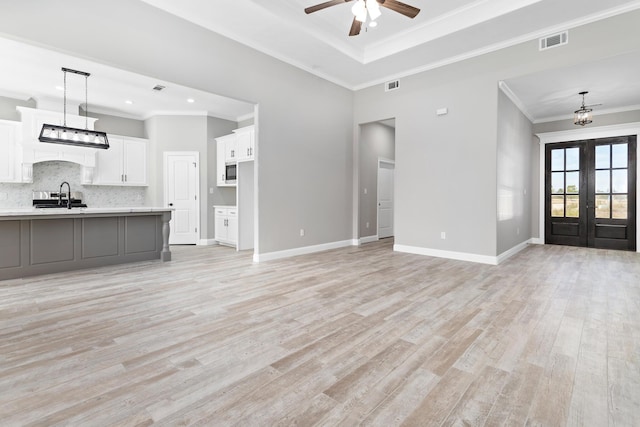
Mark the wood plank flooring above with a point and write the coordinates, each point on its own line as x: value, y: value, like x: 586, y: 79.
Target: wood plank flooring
x: 354, y: 336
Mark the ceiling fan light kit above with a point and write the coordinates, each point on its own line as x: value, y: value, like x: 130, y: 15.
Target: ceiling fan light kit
x: 583, y: 115
x: 362, y: 8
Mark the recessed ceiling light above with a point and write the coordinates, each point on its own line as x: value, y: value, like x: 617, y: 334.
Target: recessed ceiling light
x: 59, y: 88
x: 191, y: 100
x: 128, y: 101
x: 373, y: 24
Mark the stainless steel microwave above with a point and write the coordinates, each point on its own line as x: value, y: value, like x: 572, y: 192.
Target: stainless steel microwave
x: 230, y: 174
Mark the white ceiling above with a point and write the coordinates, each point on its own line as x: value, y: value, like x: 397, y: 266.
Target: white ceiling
x: 32, y: 72
x: 445, y: 31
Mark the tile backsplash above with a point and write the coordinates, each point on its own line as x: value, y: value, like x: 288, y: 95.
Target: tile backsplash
x: 47, y: 176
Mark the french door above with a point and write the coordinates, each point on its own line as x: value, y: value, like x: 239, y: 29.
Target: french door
x: 590, y: 193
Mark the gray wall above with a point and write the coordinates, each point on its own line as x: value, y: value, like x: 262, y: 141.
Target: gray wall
x: 178, y: 133
x: 305, y: 122
x: 598, y: 120
x: 118, y: 125
x: 513, y: 175
x: 8, y: 107
x: 446, y: 167
x: 376, y: 141
x: 221, y: 195
x: 247, y: 122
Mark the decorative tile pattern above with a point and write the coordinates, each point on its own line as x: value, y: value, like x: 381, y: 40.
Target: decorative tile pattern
x: 47, y: 176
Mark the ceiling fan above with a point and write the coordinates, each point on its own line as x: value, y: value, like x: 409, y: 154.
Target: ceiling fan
x: 371, y: 7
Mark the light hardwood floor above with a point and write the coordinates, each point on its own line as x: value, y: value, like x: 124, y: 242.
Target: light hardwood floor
x: 355, y: 336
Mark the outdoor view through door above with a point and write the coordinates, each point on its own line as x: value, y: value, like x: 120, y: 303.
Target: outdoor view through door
x: 590, y: 193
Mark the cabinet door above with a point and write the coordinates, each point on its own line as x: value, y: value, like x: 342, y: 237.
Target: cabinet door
x: 221, y: 225
x: 231, y: 149
x: 245, y: 144
x: 109, y: 164
x: 134, y: 162
x: 232, y: 226
x: 7, y: 153
x: 220, y: 163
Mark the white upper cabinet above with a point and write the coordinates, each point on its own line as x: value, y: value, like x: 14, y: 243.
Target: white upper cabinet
x: 246, y: 143
x: 225, y: 146
x: 124, y: 163
x: 231, y: 149
x: 9, y: 159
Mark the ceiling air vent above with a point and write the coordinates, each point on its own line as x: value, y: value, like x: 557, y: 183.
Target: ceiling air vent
x: 391, y: 85
x: 554, y: 40
x: 158, y: 87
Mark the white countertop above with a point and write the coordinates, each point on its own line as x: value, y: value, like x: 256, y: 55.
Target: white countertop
x: 11, y: 212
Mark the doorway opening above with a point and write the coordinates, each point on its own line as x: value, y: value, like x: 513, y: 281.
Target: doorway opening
x: 376, y: 170
x: 590, y: 193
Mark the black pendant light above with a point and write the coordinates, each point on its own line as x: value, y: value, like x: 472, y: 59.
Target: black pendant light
x: 583, y: 116
x: 57, y: 134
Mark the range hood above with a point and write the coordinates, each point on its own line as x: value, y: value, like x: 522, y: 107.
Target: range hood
x: 33, y: 151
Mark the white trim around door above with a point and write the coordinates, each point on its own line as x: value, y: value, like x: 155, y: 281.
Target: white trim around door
x: 185, y: 219
x: 386, y: 164
x: 577, y: 135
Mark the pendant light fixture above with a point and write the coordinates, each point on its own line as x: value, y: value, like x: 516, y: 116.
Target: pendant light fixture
x: 57, y: 134
x: 583, y: 116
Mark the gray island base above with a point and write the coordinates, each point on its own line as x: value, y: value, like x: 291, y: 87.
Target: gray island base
x: 42, y: 241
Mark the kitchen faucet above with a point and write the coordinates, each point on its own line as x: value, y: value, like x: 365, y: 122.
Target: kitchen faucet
x: 68, y: 194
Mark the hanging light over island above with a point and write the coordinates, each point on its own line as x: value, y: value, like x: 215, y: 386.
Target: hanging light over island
x: 57, y: 134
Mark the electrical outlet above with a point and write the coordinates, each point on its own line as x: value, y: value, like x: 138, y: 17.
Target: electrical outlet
x: 518, y: 230
x: 443, y: 235
x: 210, y: 190
x: 365, y: 191
x: 367, y: 225
x: 302, y: 232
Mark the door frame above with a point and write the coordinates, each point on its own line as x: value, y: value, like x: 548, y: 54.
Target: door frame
x: 581, y: 134
x: 381, y: 161
x: 165, y: 155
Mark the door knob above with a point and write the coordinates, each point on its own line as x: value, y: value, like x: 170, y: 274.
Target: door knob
x: 170, y: 204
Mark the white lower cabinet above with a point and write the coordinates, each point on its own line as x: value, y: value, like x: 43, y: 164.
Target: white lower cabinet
x: 226, y: 223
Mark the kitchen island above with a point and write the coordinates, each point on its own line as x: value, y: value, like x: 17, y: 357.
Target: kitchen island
x: 40, y: 241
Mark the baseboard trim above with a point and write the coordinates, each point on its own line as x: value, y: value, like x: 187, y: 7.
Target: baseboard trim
x: 463, y: 256
x: 270, y: 256
x: 537, y: 241
x: 206, y: 242
x: 368, y: 239
x: 514, y: 250
x: 460, y: 256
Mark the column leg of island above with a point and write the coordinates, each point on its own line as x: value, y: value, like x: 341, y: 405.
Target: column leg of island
x: 166, y: 253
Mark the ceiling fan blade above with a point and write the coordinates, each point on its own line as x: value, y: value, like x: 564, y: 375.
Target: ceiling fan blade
x: 356, y: 26
x: 402, y: 8
x: 324, y: 5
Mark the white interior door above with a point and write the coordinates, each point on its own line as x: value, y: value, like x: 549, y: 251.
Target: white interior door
x: 181, y: 193
x: 385, y: 199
